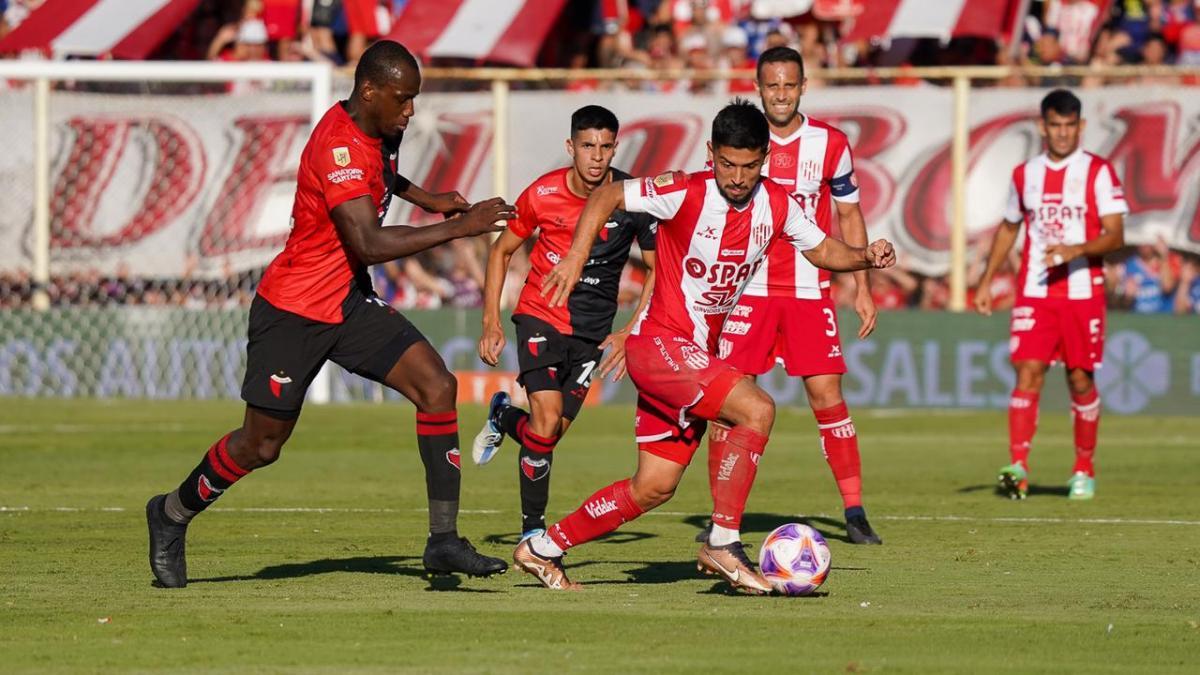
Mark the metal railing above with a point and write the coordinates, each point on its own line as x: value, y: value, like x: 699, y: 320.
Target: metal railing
x: 959, y: 79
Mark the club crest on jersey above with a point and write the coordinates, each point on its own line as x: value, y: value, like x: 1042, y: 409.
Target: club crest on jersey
x: 206, y: 490
x: 694, y: 357
x: 610, y: 225
x: 454, y: 457
x: 535, y: 344
x: 810, y: 170
x: 535, y: 469
x: 341, y: 156
x: 783, y: 160
x: 278, y: 380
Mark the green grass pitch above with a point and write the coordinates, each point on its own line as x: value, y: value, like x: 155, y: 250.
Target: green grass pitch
x: 313, y: 564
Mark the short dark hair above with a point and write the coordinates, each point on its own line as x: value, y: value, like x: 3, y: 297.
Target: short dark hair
x: 741, y: 125
x: 381, y: 61
x: 1062, y: 102
x: 779, y: 55
x: 594, y: 117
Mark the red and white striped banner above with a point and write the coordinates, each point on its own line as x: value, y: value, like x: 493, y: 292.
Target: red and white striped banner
x: 943, y: 19
x: 125, y: 29
x: 497, y: 31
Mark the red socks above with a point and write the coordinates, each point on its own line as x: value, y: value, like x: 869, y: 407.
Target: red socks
x: 839, y: 444
x: 600, y: 514
x: 717, y: 436
x: 1085, y: 413
x: 731, y: 474
x: 1022, y: 423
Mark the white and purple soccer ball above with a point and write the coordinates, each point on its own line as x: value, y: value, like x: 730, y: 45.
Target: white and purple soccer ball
x: 795, y: 559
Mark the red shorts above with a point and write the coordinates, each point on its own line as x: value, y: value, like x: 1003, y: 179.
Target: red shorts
x: 1058, y: 329
x: 801, y: 334
x: 678, y: 383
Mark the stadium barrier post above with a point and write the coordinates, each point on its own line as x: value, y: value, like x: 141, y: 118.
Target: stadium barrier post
x: 41, y: 194
x: 500, y: 137
x: 958, y: 167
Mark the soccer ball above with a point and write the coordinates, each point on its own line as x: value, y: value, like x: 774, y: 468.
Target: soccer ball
x: 795, y: 559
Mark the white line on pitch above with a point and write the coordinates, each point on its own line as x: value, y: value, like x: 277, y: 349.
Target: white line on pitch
x: 676, y: 514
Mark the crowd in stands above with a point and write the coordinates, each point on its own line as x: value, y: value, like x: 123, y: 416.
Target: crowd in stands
x: 1147, y: 279
x: 668, y: 34
x: 699, y: 34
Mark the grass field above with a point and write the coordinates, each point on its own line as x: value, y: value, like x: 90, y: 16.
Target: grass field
x: 313, y: 564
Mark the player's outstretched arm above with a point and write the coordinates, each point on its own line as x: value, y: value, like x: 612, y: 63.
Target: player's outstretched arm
x: 837, y: 256
x: 561, y: 279
x: 1002, y: 243
x: 491, y: 340
x: 448, y: 203
x: 614, y: 360
x: 358, y: 225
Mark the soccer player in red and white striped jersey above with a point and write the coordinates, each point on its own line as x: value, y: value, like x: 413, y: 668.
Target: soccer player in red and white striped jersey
x: 714, y: 229
x: 786, y: 313
x: 1073, y: 209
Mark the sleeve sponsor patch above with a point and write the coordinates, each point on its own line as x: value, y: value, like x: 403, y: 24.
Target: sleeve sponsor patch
x: 340, y: 176
x: 664, y: 179
x: 341, y: 156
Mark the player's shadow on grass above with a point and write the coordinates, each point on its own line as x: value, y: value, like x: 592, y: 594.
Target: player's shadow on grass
x: 1034, y: 490
x: 618, y: 537
x: 384, y: 564
x: 830, y: 528
x: 724, y: 588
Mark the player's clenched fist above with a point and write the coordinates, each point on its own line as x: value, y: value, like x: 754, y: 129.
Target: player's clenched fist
x: 491, y: 344
x: 487, y: 216
x: 561, y: 280
x: 881, y: 254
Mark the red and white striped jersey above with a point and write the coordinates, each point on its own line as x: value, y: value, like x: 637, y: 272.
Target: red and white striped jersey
x: 815, y: 165
x: 706, y: 249
x: 1062, y: 203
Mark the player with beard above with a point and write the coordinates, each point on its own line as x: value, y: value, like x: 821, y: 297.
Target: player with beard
x: 786, y: 313
x: 714, y: 229
x: 558, y: 348
x: 316, y: 304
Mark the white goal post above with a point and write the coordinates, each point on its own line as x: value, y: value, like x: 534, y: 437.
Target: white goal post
x: 319, y: 76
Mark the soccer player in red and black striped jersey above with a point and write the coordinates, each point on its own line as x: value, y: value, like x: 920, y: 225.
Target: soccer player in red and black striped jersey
x: 559, y: 348
x: 316, y: 304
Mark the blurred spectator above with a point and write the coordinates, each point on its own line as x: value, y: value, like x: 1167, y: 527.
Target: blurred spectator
x: 282, y: 20
x: 734, y: 43
x: 1134, y: 20
x: 892, y: 288
x: 1073, y: 21
x: 696, y: 56
x: 325, y: 14
x: 366, y: 21
x: 1154, y: 53
x: 1187, y: 294
x: 244, y: 40
x: 1171, y: 17
x: 1148, y: 279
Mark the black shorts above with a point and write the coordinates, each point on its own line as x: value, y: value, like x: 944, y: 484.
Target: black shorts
x: 286, y: 350
x: 551, y: 361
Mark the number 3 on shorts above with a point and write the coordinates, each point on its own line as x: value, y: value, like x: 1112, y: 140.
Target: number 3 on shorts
x: 832, y: 332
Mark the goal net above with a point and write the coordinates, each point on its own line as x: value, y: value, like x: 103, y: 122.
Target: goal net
x: 141, y: 202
